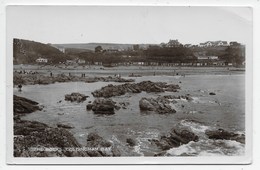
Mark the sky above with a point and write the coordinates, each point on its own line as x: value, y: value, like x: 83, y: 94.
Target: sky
x: 129, y: 24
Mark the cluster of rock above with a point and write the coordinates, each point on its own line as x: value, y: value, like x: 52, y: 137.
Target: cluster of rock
x: 147, y: 86
x: 159, y: 105
x: 34, y: 139
x: 180, y: 135
x: 185, y: 97
x: 23, y: 105
x: 32, y: 134
x: 108, y: 79
x: 100, y: 146
x: 31, y: 79
x: 176, y: 137
x: 226, y: 135
x: 75, y: 97
x: 103, y: 106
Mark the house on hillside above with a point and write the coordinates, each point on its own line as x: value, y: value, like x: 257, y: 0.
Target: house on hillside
x: 71, y: 62
x: 188, y: 45
x: 81, y: 61
x: 42, y: 60
x: 213, y: 44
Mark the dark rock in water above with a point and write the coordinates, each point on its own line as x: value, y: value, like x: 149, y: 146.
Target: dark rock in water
x: 104, y: 106
x: 89, y: 106
x: 64, y: 126
x: 222, y: 134
x: 32, y: 134
x: 131, y: 142
x: 176, y: 137
x: 100, y: 146
x: 75, y: 97
x: 160, y: 105
x: 23, y: 105
x: 147, y: 86
x: 212, y: 93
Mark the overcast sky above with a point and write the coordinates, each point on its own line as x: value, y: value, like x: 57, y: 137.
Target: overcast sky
x: 82, y: 24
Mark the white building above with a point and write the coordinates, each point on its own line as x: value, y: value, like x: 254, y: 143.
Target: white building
x: 80, y: 61
x: 42, y: 60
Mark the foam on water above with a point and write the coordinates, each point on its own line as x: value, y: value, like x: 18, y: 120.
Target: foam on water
x: 208, y: 148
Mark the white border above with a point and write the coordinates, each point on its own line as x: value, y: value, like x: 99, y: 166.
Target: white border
x: 249, y: 83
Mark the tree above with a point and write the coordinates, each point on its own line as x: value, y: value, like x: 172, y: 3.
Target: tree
x: 98, y: 49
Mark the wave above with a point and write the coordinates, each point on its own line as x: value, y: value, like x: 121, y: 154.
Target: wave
x: 209, y: 147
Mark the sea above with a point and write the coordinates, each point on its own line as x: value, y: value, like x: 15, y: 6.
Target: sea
x: 224, y: 110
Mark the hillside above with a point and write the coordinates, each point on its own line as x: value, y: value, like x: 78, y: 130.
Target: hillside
x: 92, y: 46
x: 26, y: 52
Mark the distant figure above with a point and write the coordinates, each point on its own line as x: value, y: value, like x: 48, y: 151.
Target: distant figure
x: 20, y: 87
x: 51, y: 74
x: 69, y: 74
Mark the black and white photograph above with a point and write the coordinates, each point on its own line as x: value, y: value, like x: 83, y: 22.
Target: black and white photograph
x: 130, y: 81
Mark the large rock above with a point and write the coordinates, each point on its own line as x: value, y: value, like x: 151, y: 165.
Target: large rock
x: 223, y: 134
x: 35, y: 139
x: 22, y: 105
x: 104, y: 106
x: 147, y: 86
x: 160, y: 105
x: 100, y: 147
x: 176, y: 137
x: 75, y: 97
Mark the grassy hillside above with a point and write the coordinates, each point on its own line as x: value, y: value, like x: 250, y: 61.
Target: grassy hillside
x: 92, y: 46
x: 26, y: 52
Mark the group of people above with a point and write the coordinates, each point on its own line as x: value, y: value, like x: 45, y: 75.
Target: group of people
x: 26, y: 72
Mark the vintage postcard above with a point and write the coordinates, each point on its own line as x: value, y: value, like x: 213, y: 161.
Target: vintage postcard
x: 129, y: 84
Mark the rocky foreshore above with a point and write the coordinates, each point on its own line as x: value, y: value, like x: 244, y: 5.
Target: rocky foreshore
x: 31, y: 79
x: 76, y: 97
x: 147, y: 86
x: 103, y: 106
x: 176, y: 137
x: 180, y: 135
x: 160, y: 105
x: 35, y: 139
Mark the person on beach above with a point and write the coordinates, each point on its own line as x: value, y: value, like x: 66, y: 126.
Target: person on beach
x: 20, y: 87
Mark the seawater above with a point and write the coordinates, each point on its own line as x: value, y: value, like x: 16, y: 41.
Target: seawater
x: 224, y: 110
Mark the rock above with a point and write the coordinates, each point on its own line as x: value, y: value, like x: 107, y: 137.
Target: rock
x: 131, y: 142
x: 89, y: 106
x: 160, y: 105
x: 32, y: 134
x: 43, y: 79
x: 75, y: 97
x: 104, y: 106
x: 64, y: 126
x: 223, y: 134
x: 147, y: 86
x: 212, y: 93
x: 175, y: 138
x: 24, y: 106
x: 100, y: 146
